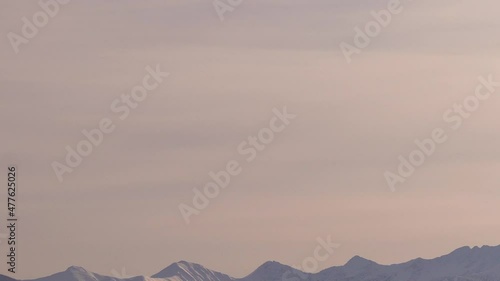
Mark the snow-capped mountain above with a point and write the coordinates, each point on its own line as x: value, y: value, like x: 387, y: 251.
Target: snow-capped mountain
x: 463, y: 264
x: 185, y: 271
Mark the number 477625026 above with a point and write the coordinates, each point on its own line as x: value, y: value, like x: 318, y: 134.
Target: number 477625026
x: 11, y: 183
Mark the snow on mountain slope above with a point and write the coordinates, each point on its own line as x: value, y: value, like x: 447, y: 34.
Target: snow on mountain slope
x: 463, y: 264
x: 472, y: 263
x: 185, y: 271
x: 75, y: 273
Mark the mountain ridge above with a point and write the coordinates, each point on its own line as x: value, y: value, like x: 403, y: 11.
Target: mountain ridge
x: 465, y: 263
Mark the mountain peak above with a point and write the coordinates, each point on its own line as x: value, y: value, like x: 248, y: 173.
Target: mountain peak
x: 358, y: 262
x: 269, y: 265
x: 461, y: 250
x: 78, y: 269
x: 188, y: 271
x: 480, y: 263
x: 76, y: 273
x: 270, y: 270
x: 174, y: 269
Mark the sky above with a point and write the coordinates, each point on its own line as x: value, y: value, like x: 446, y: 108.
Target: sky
x: 323, y: 175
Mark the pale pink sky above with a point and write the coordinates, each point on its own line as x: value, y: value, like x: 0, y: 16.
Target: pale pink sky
x: 324, y: 175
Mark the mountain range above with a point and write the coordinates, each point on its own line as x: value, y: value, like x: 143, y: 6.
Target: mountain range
x: 463, y: 264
